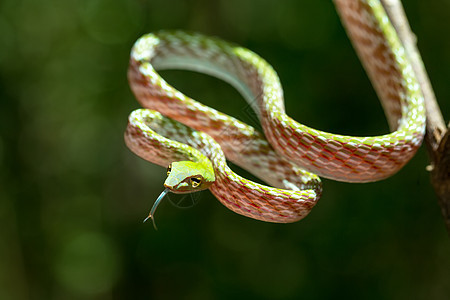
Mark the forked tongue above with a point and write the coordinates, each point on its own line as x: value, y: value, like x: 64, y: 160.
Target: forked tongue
x: 155, y: 206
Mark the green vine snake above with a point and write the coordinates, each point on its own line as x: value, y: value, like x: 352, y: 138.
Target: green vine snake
x: 195, y: 141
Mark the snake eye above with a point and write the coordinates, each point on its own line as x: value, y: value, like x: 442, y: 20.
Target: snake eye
x: 169, y: 168
x: 195, y: 182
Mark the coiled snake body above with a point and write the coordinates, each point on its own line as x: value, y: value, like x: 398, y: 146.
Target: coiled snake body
x: 293, y: 153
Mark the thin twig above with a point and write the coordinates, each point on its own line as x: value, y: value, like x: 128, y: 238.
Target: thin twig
x: 437, y: 135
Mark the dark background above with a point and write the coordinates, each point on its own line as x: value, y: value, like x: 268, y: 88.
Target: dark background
x: 72, y: 196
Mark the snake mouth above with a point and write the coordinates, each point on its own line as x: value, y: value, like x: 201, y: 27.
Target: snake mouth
x: 181, y: 188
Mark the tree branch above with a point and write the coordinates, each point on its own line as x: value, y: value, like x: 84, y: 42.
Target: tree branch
x: 437, y: 135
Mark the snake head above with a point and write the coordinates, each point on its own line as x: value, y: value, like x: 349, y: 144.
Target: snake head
x: 185, y: 177
x: 188, y: 177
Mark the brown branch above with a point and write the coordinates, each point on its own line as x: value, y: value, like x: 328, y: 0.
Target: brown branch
x: 437, y: 135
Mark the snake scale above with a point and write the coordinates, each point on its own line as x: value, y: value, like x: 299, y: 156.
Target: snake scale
x: 195, y: 141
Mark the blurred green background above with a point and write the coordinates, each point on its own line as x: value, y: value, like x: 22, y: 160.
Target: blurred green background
x: 73, y: 197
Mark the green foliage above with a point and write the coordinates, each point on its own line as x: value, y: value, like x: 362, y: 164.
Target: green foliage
x: 72, y: 196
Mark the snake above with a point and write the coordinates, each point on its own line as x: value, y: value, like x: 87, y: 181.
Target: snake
x: 194, y: 141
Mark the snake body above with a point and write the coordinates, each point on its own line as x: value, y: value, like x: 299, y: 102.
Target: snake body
x: 176, y: 128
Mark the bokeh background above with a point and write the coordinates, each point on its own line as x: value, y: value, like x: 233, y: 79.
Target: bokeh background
x: 73, y: 197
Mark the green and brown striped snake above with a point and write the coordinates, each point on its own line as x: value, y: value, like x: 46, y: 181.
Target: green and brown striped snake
x: 195, y: 141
